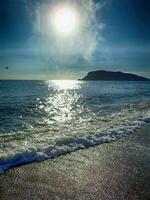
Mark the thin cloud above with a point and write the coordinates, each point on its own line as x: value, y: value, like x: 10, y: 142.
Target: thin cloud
x: 80, y: 45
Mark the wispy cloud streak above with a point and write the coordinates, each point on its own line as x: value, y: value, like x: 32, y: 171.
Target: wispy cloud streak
x: 81, y: 45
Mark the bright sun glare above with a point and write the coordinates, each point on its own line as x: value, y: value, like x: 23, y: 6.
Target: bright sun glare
x: 65, y: 20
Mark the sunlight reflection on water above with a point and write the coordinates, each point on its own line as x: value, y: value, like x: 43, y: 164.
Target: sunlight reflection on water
x: 61, y: 105
x: 65, y: 84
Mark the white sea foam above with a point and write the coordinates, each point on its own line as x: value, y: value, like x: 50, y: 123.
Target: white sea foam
x: 68, y: 145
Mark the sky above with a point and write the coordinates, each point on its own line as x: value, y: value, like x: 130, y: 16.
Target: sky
x: 110, y: 35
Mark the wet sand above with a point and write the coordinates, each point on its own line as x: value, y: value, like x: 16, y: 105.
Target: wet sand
x: 113, y: 171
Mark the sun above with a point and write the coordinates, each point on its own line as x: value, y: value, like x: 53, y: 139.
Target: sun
x: 65, y: 20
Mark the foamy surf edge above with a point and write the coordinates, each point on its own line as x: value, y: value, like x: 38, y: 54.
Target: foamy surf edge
x: 69, y: 145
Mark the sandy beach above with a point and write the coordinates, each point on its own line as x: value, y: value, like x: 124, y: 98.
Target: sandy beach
x: 118, y: 170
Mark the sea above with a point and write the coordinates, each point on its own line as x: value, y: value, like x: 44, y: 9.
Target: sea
x: 42, y: 120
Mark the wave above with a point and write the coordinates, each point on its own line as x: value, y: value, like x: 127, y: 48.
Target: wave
x: 68, y: 145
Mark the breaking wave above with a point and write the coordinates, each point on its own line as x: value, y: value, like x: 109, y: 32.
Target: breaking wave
x: 68, y: 145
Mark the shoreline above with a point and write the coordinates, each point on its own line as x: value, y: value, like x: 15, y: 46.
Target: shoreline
x: 118, y: 170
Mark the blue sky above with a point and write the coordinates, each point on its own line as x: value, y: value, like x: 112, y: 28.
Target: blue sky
x: 114, y: 35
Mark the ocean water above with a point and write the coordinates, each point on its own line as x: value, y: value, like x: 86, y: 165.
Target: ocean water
x: 46, y: 119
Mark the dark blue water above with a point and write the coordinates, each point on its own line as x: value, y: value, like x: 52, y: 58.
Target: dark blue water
x: 45, y: 119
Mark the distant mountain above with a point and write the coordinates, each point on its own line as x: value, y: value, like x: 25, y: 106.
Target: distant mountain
x: 112, y: 76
